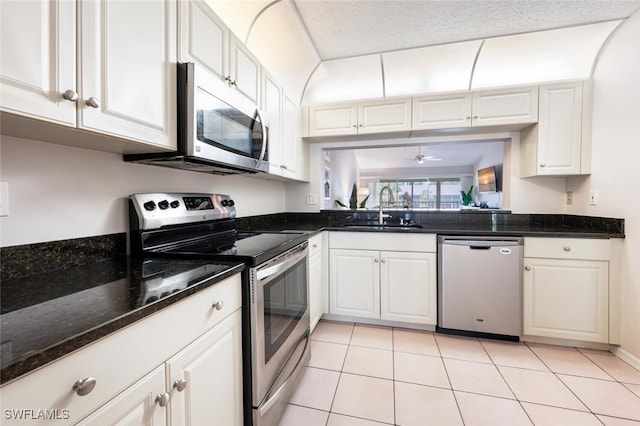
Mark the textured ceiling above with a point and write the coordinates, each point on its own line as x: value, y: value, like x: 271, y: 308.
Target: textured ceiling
x: 345, y: 28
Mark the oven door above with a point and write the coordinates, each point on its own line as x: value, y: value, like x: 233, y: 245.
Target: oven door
x: 279, y: 328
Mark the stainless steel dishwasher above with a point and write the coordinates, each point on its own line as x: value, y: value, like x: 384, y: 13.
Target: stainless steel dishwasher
x: 480, y: 286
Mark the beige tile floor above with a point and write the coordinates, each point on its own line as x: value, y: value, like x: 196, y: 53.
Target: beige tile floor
x: 365, y: 375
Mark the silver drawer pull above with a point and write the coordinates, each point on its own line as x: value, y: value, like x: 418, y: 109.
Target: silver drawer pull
x: 180, y: 385
x: 567, y: 248
x: 217, y: 305
x: 163, y: 399
x: 84, y: 386
x: 527, y: 268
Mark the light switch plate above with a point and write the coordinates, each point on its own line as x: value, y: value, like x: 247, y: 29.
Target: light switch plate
x: 4, y: 198
x: 593, y: 197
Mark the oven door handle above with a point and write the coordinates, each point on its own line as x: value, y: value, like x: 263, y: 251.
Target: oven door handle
x: 282, y: 263
x: 271, y: 399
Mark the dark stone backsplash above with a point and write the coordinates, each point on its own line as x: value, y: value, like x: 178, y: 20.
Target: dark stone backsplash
x: 31, y: 259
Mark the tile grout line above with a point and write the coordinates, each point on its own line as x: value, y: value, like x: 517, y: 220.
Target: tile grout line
x: 455, y: 398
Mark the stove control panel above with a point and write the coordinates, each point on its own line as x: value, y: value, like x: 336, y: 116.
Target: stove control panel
x: 155, y: 210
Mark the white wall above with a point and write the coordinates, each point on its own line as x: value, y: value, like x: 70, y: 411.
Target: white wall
x: 616, y: 162
x: 344, y: 173
x: 58, y: 192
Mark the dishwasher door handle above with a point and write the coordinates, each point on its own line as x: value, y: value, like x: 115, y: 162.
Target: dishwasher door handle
x: 480, y: 247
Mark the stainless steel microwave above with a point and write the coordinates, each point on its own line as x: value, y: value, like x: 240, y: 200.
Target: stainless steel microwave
x: 219, y: 130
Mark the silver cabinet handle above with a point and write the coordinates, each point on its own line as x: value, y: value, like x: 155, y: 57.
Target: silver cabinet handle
x: 527, y: 268
x: 314, y: 246
x: 163, y: 399
x: 84, y: 386
x: 376, y: 260
x: 92, y: 102
x: 383, y: 261
x: 70, y: 95
x: 180, y: 385
x: 567, y: 248
x: 217, y: 305
x: 542, y: 165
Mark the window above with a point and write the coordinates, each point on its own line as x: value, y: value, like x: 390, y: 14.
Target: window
x: 431, y: 193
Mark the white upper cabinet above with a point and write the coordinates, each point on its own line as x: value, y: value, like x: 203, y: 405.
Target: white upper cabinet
x: 507, y: 106
x: 271, y: 103
x: 560, y: 144
x: 389, y: 115
x: 244, y: 69
x: 35, y: 72
x: 125, y: 85
x: 442, y: 112
x: 335, y: 119
x: 203, y: 37
x: 128, y: 72
x: 206, y: 40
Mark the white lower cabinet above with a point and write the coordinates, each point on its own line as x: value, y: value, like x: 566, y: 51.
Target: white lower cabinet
x: 567, y: 299
x: 317, y: 278
x: 206, y: 377
x: 190, y: 338
x: 354, y: 284
x: 138, y: 405
x: 566, y: 289
x: 406, y: 293
x: 391, y: 285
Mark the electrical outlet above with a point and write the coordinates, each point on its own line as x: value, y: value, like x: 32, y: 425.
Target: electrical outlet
x: 4, y: 199
x: 593, y: 197
x: 311, y: 199
x: 569, y: 198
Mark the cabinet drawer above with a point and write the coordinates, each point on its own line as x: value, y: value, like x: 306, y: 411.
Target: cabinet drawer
x: 315, y: 245
x: 567, y: 248
x: 383, y: 241
x: 120, y: 359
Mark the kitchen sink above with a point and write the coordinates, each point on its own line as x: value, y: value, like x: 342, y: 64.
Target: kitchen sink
x: 384, y: 226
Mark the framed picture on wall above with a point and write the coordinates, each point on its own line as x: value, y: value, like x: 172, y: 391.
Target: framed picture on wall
x: 326, y: 182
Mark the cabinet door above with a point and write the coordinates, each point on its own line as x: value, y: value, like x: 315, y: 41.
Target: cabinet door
x: 408, y: 287
x: 35, y: 71
x: 128, y: 71
x: 384, y: 116
x: 135, y: 406
x: 354, y: 283
x: 204, y: 38
x: 315, y: 289
x: 330, y: 120
x: 566, y: 299
x: 291, y: 137
x: 212, y: 369
x: 511, y: 106
x: 244, y: 69
x: 560, y: 129
x: 272, y: 105
x: 442, y: 112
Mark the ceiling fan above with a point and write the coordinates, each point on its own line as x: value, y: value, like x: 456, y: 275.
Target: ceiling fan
x: 421, y: 158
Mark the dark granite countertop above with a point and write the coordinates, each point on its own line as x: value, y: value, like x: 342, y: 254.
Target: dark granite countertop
x: 49, y: 314
x: 473, y: 223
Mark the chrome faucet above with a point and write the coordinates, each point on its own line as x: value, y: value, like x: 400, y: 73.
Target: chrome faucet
x: 382, y: 216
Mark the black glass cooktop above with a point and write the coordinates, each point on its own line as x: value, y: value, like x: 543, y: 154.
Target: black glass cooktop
x: 253, y: 248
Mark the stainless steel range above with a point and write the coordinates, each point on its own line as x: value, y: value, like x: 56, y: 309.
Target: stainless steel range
x: 275, y: 294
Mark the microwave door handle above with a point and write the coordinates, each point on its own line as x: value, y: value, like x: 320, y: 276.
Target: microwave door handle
x: 264, y: 139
